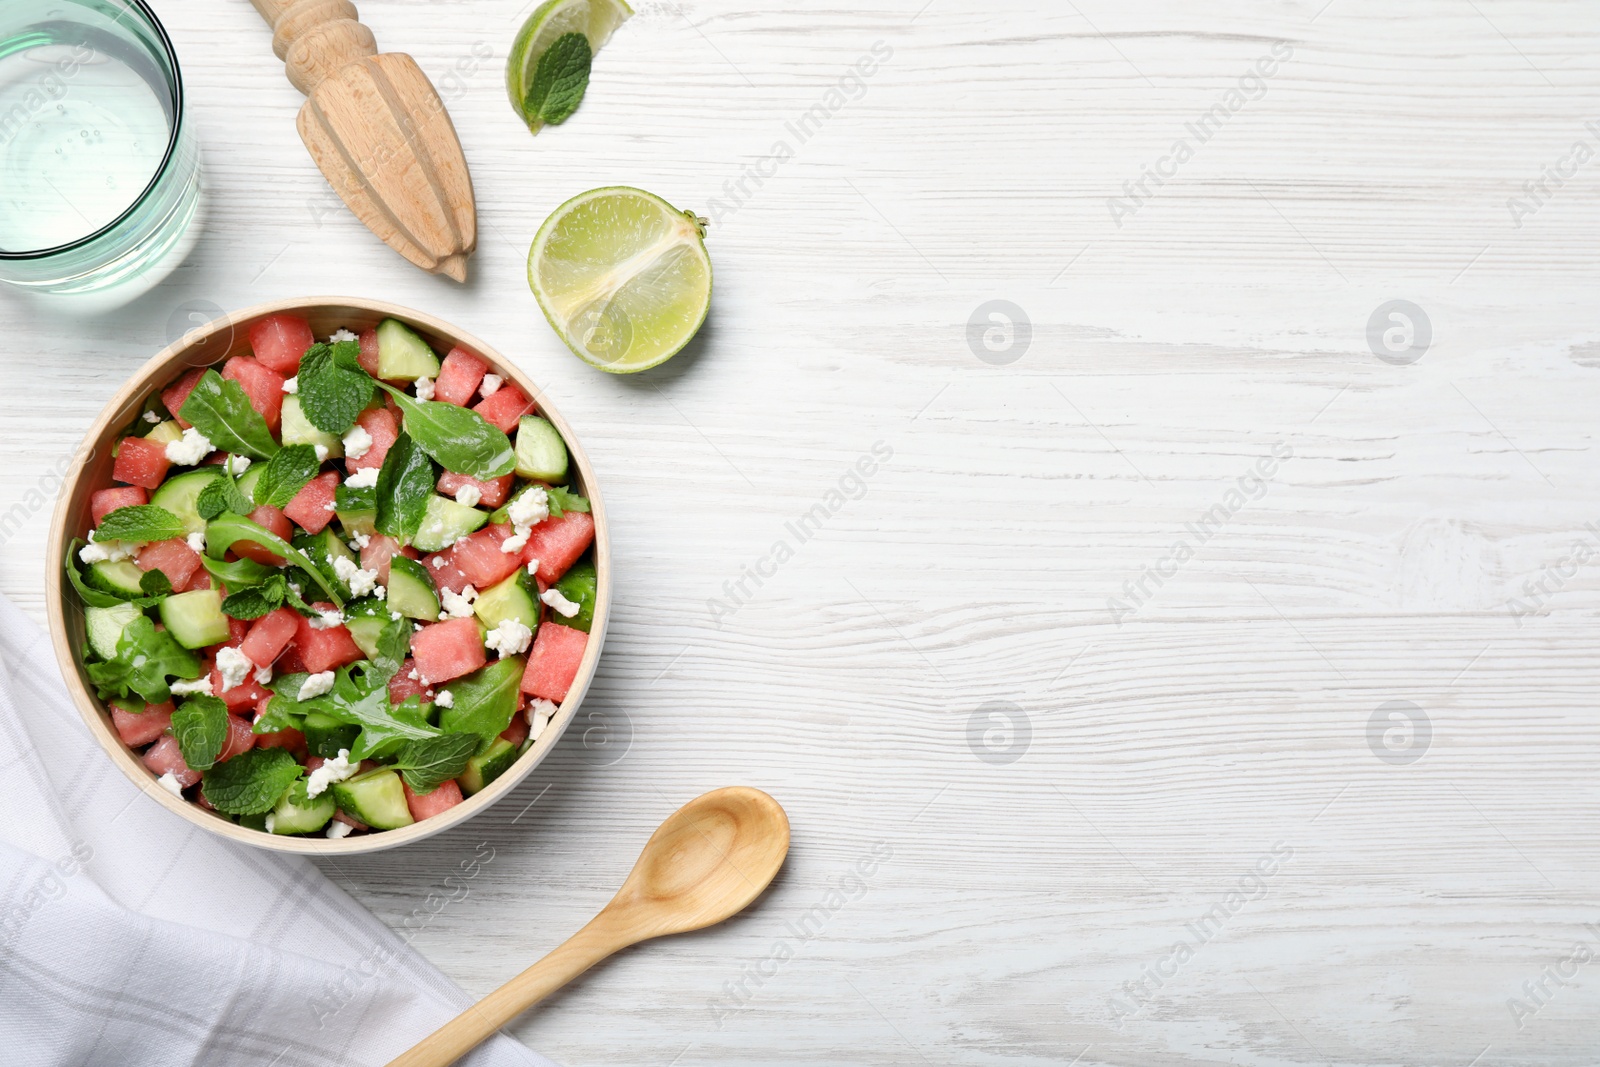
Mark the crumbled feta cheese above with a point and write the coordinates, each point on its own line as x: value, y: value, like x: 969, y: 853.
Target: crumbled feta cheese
x: 560, y: 603
x: 424, y: 388
x: 541, y: 708
x: 361, y: 582
x: 292, y: 385
x: 316, y: 685
x: 170, y: 784
x: 515, y: 543
x: 325, y: 620
x: 530, y: 508
x: 321, y: 451
x: 152, y: 418
x: 491, y: 385
x: 361, y: 540
x: 444, y: 699
x: 295, y: 586
x: 336, y: 769
x: 236, y: 465
x: 533, y: 566
x: 438, y: 561
x: 271, y: 823
x: 365, y: 478
x: 329, y: 506
x: 469, y: 496
x: 198, y: 686
x: 412, y: 674
x: 457, y: 605
x: 196, y: 541
x: 107, y: 551
x: 190, y: 449
x: 341, y: 334
x: 263, y: 674
x: 509, y: 638
x: 357, y: 442
x: 395, y: 615
x: 233, y: 665
x: 337, y: 829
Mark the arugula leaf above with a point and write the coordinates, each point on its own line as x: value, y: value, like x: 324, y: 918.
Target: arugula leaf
x: 348, y: 501
x: 560, y: 79
x: 200, y: 725
x: 219, y: 408
x: 250, y: 782
x: 393, y: 646
x: 367, y: 706
x: 283, y: 712
x: 428, y: 764
x: 140, y: 522
x: 562, y: 501
x: 333, y: 387
x: 221, y: 494
x: 227, y: 529
x: 459, y: 438
x: 405, y: 484
x: 286, y: 475
x: 145, y: 658
x: 256, y: 601
x: 239, y: 574
x: 485, y: 700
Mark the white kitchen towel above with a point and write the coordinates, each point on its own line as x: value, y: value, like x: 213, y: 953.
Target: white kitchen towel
x: 130, y: 938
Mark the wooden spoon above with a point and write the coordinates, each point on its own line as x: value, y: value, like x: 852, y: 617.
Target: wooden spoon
x: 708, y: 861
x: 378, y: 132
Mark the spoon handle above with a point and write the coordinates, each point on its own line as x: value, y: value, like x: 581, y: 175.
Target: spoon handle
x: 599, y: 939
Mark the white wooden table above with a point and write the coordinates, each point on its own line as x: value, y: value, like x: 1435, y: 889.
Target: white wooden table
x: 1060, y: 713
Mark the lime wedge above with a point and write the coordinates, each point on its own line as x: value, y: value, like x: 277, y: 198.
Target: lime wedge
x: 623, y: 277
x: 554, y: 19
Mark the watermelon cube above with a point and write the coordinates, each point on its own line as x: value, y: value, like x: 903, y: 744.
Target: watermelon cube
x: 403, y: 686
x: 491, y: 493
x: 459, y: 377
x: 517, y: 732
x: 441, y: 567
x: 240, y: 739
x: 280, y: 340
x: 261, y: 384
x: 505, y: 406
x: 323, y: 650
x: 270, y: 635
x: 276, y: 522
x: 379, y: 550
x: 175, y: 394
x: 557, y: 544
x: 141, y: 728
x: 480, y: 559
x: 247, y: 694
x: 553, y: 663
x: 368, y: 356
x: 173, y: 558
x: 312, y: 506
x: 104, y: 501
x: 141, y: 461
x: 163, y: 757
x: 383, y: 427
x: 201, y: 580
x: 427, y: 805
x: 290, y: 739
x: 448, y: 650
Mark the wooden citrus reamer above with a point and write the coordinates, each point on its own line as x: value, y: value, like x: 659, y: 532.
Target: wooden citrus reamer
x: 378, y: 132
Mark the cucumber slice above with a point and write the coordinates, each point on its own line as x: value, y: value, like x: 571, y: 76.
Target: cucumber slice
x: 375, y: 798
x: 446, y: 522
x: 510, y: 599
x: 247, y: 481
x: 166, y: 432
x: 104, y: 626
x: 119, y: 576
x: 541, y: 453
x: 402, y: 355
x: 357, y: 510
x: 297, y: 429
x: 488, y: 765
x: 579, y: 585
x: 179, y: 493
x: 365, y: 620
x: 297, y: 813
x: 325, y: 735
x: 411, y: 591
x: 195, y: 619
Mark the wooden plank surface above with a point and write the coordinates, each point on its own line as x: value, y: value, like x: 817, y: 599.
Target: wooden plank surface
x: 1171, y: 562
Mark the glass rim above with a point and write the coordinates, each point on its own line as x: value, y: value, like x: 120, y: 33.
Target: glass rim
x: 154, y: 23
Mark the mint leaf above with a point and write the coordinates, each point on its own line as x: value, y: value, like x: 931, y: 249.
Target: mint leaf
x: 428, y: 764
x: 200, y: 725
x: 221, y: 494
x: 223, y: 532
x: 286, y: 475
x: 154, y: 585
x: 348, y: 501
x: 564, y: 500
x: 560, y: 79
x: 333, y: 387
x: 459, y: 438
x: 256, y: 601
x: 145, y: 658
x: 250, y: 782
x: 219, y: 408
x: 141, y: 522
x: 405, y: 484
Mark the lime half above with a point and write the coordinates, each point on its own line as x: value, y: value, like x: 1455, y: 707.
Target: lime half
x: 623, y: 277
x: 554, y: 19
